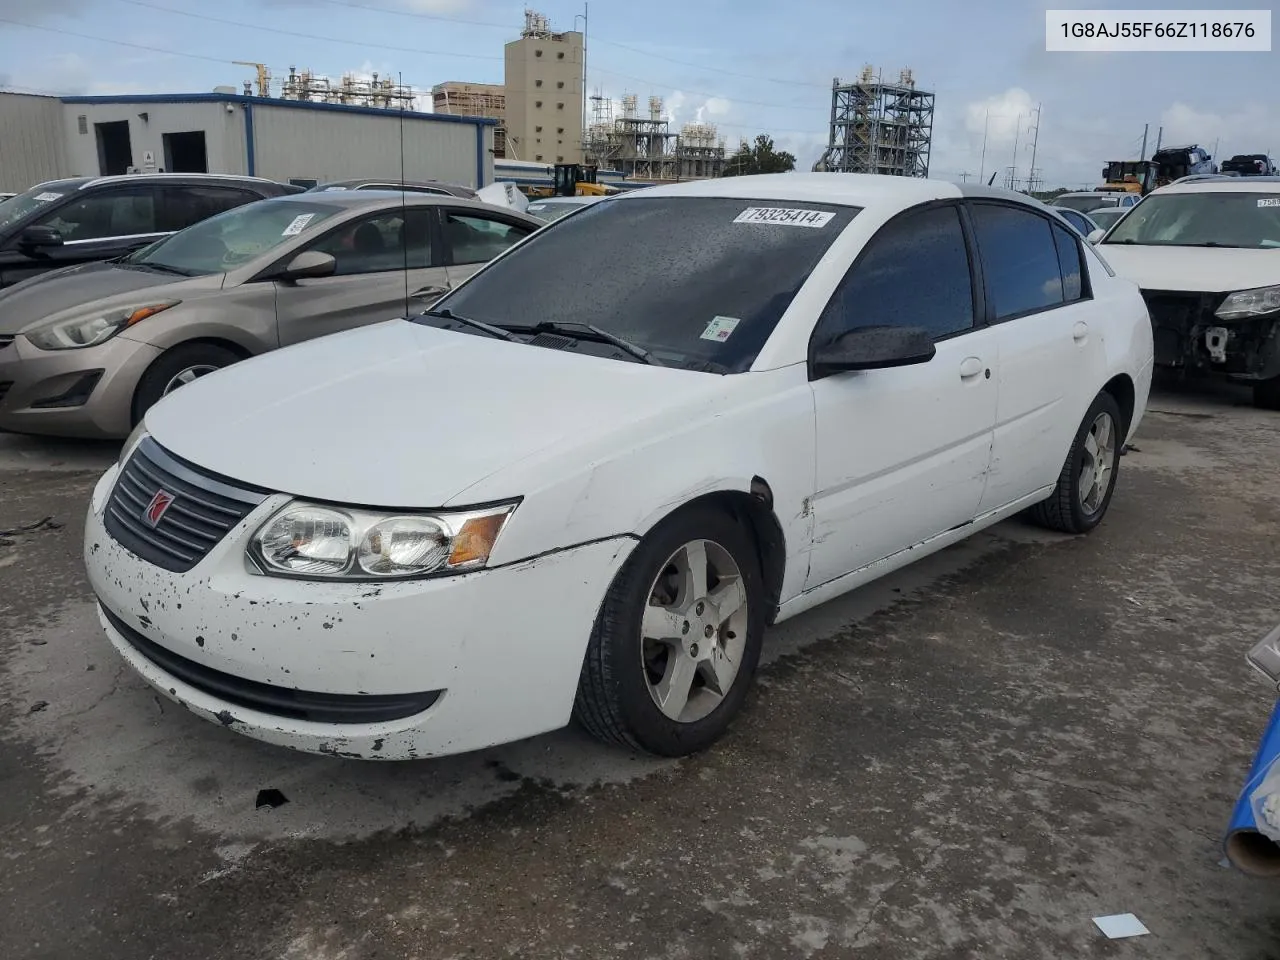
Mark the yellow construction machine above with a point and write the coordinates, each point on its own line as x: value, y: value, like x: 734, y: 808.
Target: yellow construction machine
x: 1129, y: 176
x: 571, y: 180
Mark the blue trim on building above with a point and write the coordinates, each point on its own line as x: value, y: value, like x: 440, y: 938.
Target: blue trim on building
x: 250, y: 154
x: 480, y: 157
x: 283, y: 104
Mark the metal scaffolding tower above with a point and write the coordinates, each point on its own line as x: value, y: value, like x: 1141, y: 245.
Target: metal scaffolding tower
x: 644, y: 147
x: 879, y: 127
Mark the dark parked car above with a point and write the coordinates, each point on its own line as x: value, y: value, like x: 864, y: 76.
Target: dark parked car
x: 438, y: 187
x: 1250, y: 165
x: 66, y: 222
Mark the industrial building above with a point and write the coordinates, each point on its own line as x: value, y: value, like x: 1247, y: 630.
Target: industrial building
x: 475, y: 100
x: 302, y: 139
x: 879, y: 127
x: 644, y: 147
x: 543, y: 93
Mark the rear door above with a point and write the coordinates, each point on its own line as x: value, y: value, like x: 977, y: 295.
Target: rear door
x: 97, y: 224
x: 371, y: 283
x: 1050, y: 343
x: 474, y: 237
x: 182, y: 205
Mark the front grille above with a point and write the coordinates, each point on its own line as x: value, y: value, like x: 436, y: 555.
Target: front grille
x: 171, y: 513
x: 1176, y: 321
x: 268, y: 698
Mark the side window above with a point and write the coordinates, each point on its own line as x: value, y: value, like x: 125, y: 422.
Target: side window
x: 1070, y: 265
x: 1075, y: 219
x: 914, y: 273
x: 477, y: 239
x: 1019, y: 260
x: 371, y: 245
x: 185, y: 205
x: 114, y: 212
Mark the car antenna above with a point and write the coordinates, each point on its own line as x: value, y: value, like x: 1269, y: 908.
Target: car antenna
x: 993, y: 179
x: 404, y: 211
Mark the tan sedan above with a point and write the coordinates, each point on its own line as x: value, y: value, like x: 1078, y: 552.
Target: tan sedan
x: 86, y: 350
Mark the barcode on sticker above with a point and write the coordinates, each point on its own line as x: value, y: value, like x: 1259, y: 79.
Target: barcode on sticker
x: 298, y: 225
x: 1269, y: 202
x: 785, y: 216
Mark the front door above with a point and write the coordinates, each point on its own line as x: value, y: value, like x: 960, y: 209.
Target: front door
x: 473, y: 238
x: 386, y: 268
x: 902, y: 453
x: 100, y: 224
x: 1051, y: 357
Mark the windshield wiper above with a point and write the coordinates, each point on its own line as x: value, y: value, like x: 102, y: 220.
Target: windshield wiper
x: 444, y: 313
x: 595, y: 333
x: 161, y: 268
x: 1213, y: 243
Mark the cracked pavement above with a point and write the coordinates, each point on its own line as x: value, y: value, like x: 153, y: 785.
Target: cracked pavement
x: 971, y: 758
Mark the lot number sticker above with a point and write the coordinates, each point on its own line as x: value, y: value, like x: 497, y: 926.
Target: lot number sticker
x: 785, y: 216
x: 720, y: 328
x: 299, y: 224
x: 1269, y: 202
x: 46, y: 197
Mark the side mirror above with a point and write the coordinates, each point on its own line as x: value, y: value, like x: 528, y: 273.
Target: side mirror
x: 1096, y: 235
x: 309, y: 265
x: 873, y: 348
x: 33, y: 238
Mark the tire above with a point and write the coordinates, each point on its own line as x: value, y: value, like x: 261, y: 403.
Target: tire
x: 1070, y: 509
x: 155, y: 383
x: 1266, y: 394
x: 624, y: 674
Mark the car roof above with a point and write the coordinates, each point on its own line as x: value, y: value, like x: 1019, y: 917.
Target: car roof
x: 850, y: 189
x: 1091, y: 193
x: 379, y: 199
x: 542, y: 200
x: 1225, y: 185
x: 321, y: 187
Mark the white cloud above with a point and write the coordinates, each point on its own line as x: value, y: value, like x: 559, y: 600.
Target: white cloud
x: 1000, y: 117
x: 1245, y: 129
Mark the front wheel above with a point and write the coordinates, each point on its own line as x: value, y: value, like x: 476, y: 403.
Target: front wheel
x: 1088, y: 478
x: 677, y: 639
x: 176, y: 368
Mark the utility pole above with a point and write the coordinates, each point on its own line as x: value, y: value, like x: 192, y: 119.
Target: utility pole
x: 1013, y: 171
x: 1159, y: 137
x: 1031, y: 178
x: 964, y: 177
x: 1142, y: 155
x: 585, y: 9
x: 982, y: 165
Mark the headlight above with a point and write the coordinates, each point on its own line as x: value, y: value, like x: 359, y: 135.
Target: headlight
x: 321, y: 543
x: 1250, y: 303
x: 92, y: 330
x: 133, y: 440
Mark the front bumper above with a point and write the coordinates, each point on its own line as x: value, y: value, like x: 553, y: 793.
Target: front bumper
x: 1188, y: 335
x: 95, y: 386
x: 493, y: 656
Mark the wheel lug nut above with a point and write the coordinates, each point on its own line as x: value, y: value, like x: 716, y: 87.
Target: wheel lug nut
x: 693, y: 650
x: 685, y: 628
x: 699, y: 608
x: 708, y: 630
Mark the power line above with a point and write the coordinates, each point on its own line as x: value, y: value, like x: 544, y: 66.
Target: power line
x: 306, y: 36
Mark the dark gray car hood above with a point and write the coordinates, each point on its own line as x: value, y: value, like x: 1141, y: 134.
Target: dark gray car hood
x: 44, y: 296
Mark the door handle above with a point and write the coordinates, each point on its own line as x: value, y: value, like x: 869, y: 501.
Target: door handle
x: 970, y: 367
x: 1080, y: 331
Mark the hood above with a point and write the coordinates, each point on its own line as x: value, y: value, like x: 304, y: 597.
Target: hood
x: 1193, y: 269
x: 89, y: 285
x: 403, y: 415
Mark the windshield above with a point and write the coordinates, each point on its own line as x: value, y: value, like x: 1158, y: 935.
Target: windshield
x: 1085, y: 204
x: 699, y: 282
x: 1106, y: 218
x: 1216, y: 219
x: 233, y: 238
x: 18, y: 207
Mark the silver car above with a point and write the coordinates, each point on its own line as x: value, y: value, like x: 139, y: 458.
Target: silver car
x: 86, y: 350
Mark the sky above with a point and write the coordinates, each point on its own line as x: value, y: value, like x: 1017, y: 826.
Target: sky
x: 749, y: 66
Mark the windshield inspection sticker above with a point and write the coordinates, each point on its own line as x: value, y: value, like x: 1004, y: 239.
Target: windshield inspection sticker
x: 785, y: 216
x: 720, y: 328
x: 46, y: 197
x: 1264, y: 202
x: 298, y: 225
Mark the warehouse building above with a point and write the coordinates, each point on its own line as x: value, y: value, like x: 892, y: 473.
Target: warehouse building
x: 225, y: 132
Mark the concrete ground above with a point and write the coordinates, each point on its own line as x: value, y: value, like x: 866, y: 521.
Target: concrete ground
x: 972, y: 758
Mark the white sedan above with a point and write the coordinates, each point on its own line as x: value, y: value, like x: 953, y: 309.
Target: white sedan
x: 586, y: 482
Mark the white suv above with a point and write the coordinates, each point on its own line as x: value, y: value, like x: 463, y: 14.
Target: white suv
x: 1206, y: 254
